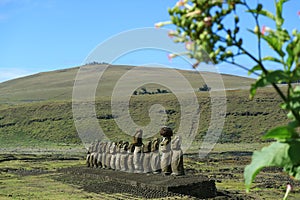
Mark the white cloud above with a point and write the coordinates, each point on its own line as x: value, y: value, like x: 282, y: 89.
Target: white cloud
x: 12, y: 73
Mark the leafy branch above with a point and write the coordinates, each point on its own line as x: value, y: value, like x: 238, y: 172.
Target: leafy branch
x: 201, y: 26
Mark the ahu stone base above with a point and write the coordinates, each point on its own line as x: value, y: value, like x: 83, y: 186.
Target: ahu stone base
x: 199, y: 186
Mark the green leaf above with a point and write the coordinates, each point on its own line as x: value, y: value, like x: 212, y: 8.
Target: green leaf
x: 279, y: 19
x: 293, y: 166
x: 279, y: 154
x: 297, y: 47
x: 277, y: 76
x: 274, y: 155
x: 297, y: 173
x: 273, y: 77
x: 294, y: 103
x: 294, y: 124
x: 260, y: 82
x: 274, y: 43
x: 270, y: 58
x: 294, y: 152
x: 263, y: 12
x: 252, y: 92
x: 297, y: 88
x: 281, y: 133
x: 283, y: 35
x: 290, y: 58
x: 255, y: 68
x: 296, y: 77
x: 290, y: 115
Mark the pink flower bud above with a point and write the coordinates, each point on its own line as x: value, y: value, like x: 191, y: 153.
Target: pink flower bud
x: 299, y: 13
x: 189, y: 45
x: 265, y: 29
x: 158, y: 25
x: 171, y: 34
x: 194, y: 13
x: 180, y: 3
x: 171, y: 56
x: 207, y: 21
x: 289, y: 188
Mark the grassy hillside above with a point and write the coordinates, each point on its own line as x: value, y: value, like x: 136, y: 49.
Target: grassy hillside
x: 58, y: 85
x: 38, y: 108
x: 33, y: 123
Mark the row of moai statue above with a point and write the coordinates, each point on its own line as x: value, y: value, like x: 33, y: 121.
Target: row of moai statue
x: 156, y: 156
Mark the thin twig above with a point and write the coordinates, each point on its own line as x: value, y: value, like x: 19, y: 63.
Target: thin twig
x: 241, y: 66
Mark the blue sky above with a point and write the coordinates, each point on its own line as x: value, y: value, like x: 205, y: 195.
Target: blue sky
x: 44, y: 35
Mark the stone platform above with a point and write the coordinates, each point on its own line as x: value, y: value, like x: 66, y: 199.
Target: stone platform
x: 198, y: 186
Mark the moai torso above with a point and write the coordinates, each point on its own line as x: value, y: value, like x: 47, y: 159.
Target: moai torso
x: 147, y: 157
x: 165, y: 148
x: 113, y: 149
x: 166, y: 155
x: 138, y: 159
x: 99, y: 158
x: 108, y: 155
x: 91, y: 157
x: 97, y: 146
x: 130, y: 164
x: 177, y: 157
x: 138, y: 151
x: 124, y: 156
x: 155, y: 158
x: 104, y: 155
x: 88, y: 156
x: 118, y: 155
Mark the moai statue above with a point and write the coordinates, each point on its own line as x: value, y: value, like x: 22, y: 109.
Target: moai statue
x: 147, y: 157
x: 99, y: 155
x: 87, y: 160
x: 124, y: 156
x: 95, y: 155
x: 92, y: 158
x: 155, y: 158
x: 118, y: 155
x: 88, y: 156
x: 93, y: 147
x: 91, y: 154
x: 108, y: 155
x: 177, y: 157
x: 165, y: 148
x: 130, y: 165
x: 113, y: 150
x: 138, y: 151
x: 104, y: 155
x: 97, y: 143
